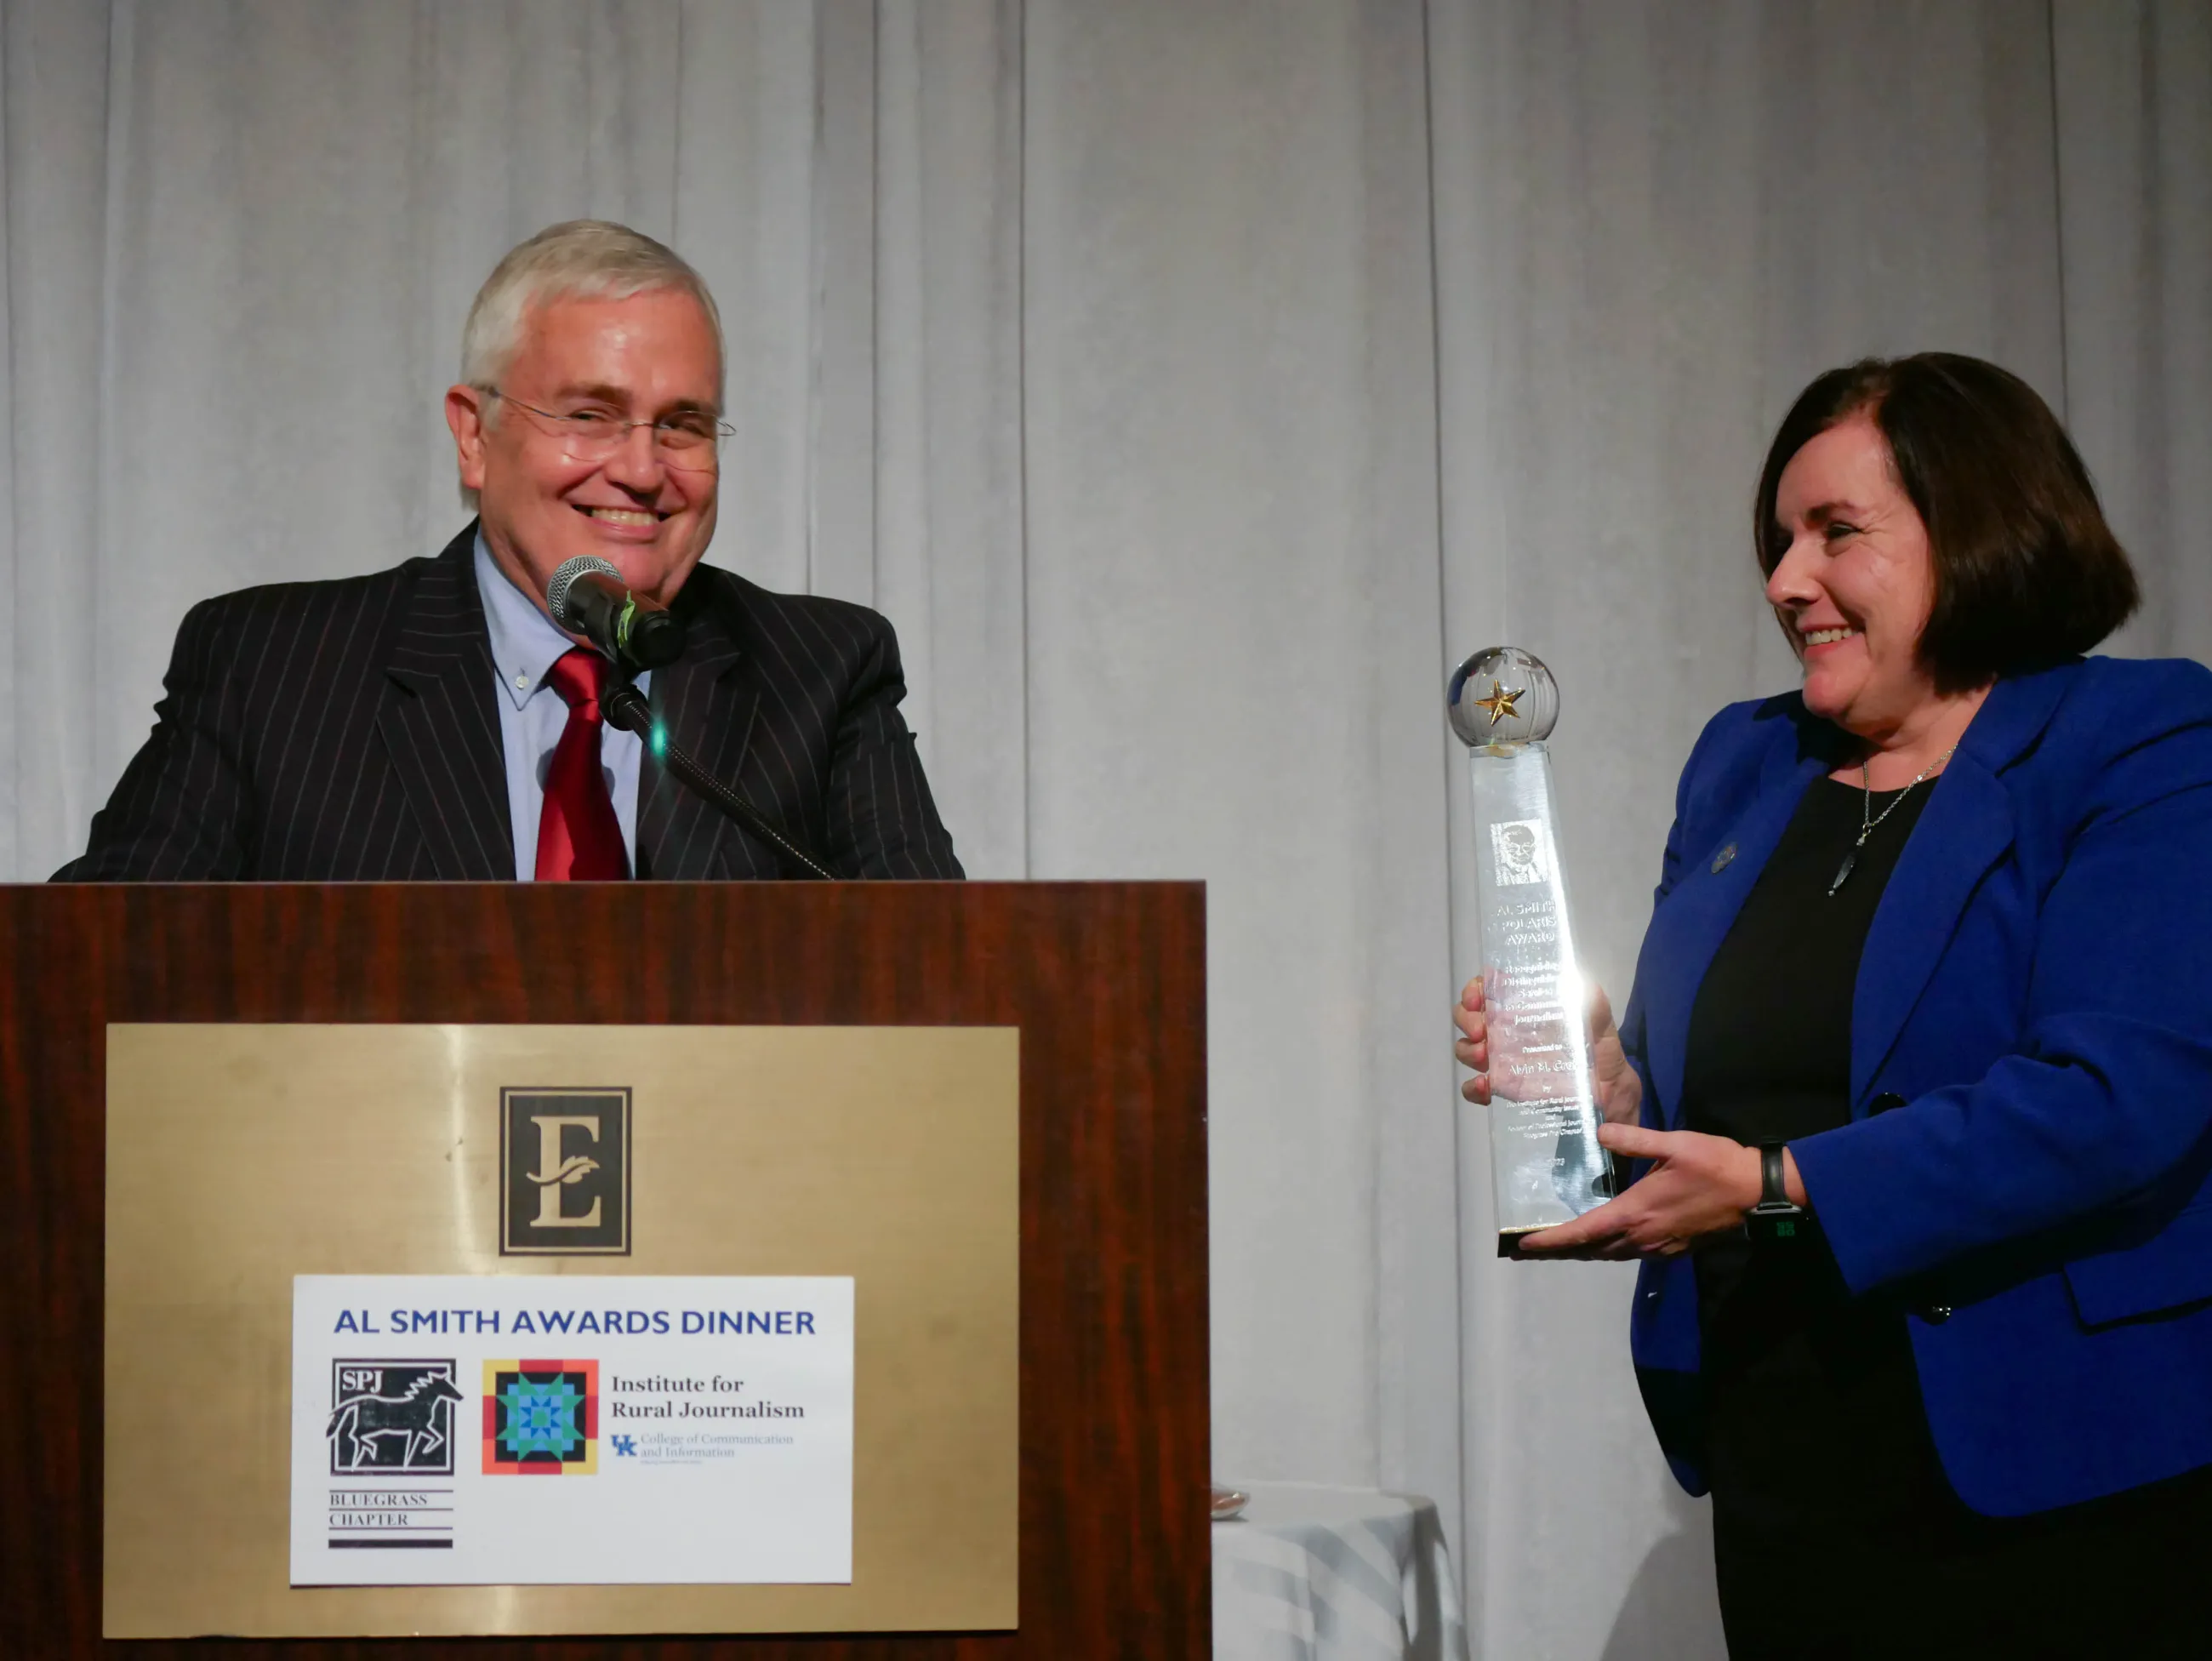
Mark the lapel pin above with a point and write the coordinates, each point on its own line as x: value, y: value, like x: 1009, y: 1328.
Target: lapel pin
x: 1721, y: 859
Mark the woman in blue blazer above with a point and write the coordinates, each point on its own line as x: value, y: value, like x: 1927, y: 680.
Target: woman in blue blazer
x: 1927, y: 992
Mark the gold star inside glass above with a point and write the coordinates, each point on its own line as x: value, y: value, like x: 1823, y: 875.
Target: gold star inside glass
x: 1500, y: 702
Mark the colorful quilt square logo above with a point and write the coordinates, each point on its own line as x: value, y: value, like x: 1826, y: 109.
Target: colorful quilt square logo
x: 541, y: 1418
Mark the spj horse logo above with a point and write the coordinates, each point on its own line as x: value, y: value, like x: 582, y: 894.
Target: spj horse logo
x: 392, y: 1416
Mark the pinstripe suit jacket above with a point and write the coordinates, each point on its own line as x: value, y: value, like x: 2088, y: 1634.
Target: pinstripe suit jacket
x: 345, y: 730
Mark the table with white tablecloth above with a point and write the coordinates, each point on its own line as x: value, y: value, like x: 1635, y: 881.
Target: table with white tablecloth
x: 1311, y: 1573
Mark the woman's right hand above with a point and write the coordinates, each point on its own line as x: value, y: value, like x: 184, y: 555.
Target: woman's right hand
x: 1614, y: 1084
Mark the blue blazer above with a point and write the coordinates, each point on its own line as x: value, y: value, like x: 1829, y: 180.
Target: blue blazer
x: 2026, y: 1167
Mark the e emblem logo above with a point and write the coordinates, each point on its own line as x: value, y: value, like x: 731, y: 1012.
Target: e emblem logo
x: 564, y: 1171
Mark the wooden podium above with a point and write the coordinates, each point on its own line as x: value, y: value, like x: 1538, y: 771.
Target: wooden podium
x: 1105, y: 982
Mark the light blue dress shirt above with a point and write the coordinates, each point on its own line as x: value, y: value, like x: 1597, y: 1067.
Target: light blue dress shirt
x: 532, y: 716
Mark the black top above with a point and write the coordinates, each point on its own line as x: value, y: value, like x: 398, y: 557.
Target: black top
x: 1812, y: 1400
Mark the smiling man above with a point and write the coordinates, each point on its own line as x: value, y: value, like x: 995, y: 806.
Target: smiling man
x: 432, y: 721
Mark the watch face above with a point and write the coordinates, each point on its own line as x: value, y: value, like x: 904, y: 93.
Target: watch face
x: 1773, y: 1223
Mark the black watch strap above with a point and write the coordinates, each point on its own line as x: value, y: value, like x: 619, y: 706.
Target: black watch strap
x: 1776, y: 1217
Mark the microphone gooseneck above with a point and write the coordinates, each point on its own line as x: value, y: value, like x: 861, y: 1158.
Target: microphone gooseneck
x: 625, y: 706
x: 587, y: 596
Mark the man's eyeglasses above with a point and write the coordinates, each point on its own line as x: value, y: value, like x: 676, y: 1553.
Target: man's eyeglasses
x: 690, y: 438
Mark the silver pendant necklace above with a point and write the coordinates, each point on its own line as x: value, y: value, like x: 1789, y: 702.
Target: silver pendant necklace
x: 1868, y: 819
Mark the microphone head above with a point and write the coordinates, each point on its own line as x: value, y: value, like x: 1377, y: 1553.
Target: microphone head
x: 564, y: 580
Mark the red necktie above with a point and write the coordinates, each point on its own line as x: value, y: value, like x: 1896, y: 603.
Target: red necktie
x: 579, y: 839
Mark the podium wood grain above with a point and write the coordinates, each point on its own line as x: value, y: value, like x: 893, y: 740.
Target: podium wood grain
x: 1106, y: 981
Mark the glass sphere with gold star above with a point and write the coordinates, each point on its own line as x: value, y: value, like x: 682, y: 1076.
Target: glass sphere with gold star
x: 1502, y: 694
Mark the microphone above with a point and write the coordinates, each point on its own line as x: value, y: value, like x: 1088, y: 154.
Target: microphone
x: 586, y: 597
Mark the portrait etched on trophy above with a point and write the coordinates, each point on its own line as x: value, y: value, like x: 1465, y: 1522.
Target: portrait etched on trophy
x: 1546, y: 1165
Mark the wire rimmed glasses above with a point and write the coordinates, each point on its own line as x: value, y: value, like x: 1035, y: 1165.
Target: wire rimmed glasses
x: 687, y: 438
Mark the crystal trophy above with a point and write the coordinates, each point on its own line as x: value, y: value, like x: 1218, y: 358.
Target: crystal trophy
x: 1545, y: 1164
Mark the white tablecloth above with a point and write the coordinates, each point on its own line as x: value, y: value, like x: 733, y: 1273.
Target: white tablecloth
x: 1311, y: 1573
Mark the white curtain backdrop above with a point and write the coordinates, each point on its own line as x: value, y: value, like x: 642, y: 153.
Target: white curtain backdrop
x: 1193, y: 382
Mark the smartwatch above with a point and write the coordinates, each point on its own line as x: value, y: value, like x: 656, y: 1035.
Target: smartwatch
x: 1776, y: 1217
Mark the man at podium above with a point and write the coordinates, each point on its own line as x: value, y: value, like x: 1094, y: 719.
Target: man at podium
x: 431, y: 722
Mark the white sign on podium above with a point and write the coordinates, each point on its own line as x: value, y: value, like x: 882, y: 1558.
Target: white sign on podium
x: 537, y: 1430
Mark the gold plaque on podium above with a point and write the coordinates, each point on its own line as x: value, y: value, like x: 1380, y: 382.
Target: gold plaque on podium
x: 241, y: 1155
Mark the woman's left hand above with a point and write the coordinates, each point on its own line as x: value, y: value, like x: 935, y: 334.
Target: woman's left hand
x: 1699, y: 1184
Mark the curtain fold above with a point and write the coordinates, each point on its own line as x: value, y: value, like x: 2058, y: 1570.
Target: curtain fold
x: 1233, y: 630
x: 1193, y: 384
x: 53, y: 232
x: 2134, y: 89
x: 947, y: 536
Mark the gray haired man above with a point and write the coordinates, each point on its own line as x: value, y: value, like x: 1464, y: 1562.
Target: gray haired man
x: 432, y: 721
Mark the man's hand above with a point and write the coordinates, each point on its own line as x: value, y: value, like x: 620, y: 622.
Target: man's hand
x: 1614, y: 1084
x: 1700, y: 1185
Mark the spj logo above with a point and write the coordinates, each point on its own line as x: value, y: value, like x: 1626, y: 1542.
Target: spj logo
x: 392, y: 1416
x: 541, y: 1418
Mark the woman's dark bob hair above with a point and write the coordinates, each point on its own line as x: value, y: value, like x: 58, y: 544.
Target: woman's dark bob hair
x: 2027, y: 572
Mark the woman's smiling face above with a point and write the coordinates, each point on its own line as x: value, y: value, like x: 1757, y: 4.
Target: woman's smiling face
x: 1854, y: 581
